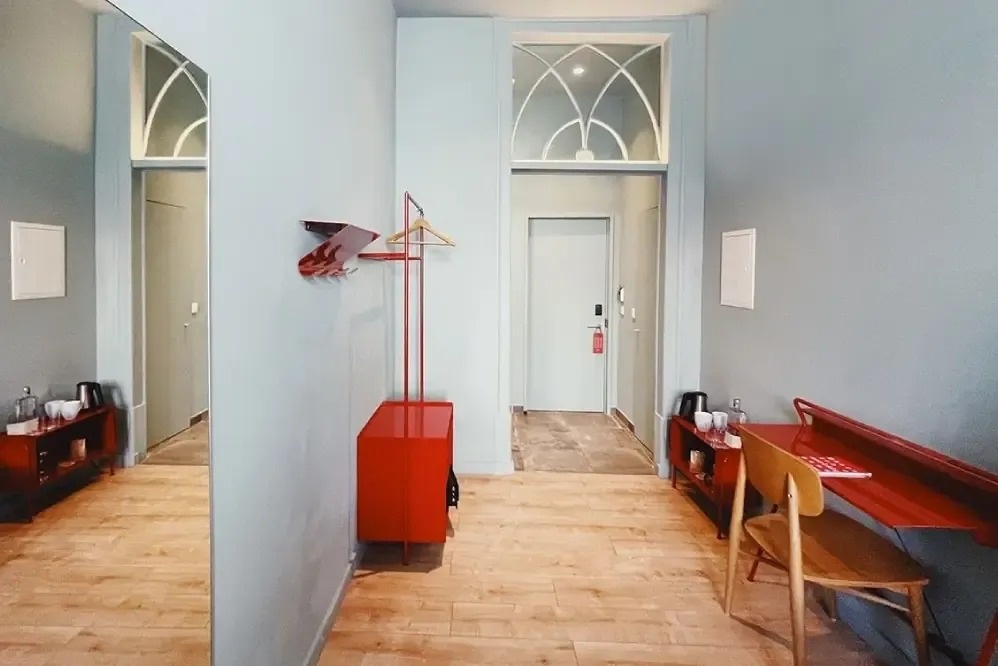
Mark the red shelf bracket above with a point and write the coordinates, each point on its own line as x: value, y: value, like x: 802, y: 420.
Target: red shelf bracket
x: 343, y: 242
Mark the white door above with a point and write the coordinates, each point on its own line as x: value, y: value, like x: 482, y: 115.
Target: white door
x: 566, y: 286
x: 168, y: 370
x: 176, y: 290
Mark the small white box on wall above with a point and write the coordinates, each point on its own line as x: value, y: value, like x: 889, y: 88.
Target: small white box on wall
x: 738, y: 268
x: 37, y: 261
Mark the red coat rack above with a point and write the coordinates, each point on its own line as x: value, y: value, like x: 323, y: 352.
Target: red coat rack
x: 405, y: 451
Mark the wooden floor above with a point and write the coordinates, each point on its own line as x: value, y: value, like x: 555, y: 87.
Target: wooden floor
x: 572, y: 569
x: 577, y: 442
x: 189, y: 447
x: 116, y: 573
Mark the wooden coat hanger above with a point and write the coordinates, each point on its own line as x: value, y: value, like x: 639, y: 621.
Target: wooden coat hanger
x: 420, y: 224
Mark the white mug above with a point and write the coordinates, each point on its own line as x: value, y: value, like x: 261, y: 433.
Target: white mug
x: 720, y: 420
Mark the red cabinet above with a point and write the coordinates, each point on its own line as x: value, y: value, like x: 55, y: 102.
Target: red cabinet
x: 404, y: 456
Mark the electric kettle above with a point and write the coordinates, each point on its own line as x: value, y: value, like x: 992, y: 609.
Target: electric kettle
x: 90, y: 395
x: 691, y: 403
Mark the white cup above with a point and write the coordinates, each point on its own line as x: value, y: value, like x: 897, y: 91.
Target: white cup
x: 720, y: 420
x: 703, y: 421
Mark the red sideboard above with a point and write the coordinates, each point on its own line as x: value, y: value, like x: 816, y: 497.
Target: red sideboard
x: 404, y: 456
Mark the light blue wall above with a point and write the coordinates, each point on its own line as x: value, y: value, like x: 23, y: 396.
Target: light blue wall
x: 861, y: 139
x: 449, y: 155
x: 47, y: 177
x: 302, y: 125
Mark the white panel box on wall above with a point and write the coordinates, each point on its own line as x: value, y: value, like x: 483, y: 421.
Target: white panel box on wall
x: 738, y: 268
x: 37, y: 261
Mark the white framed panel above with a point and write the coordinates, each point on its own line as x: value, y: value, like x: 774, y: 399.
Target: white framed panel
x: 37, y: 261
x: 738, y: 268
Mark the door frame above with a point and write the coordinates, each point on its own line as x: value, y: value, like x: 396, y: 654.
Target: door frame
x: 681, y: 278
x: 609, y: 341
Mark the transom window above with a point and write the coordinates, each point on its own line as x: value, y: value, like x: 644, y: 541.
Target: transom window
x: 589, y: 102
x: 174, y: 102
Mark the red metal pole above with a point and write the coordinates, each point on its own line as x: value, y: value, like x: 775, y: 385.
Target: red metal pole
x: 405, y: 382
x: 405, y: 301
x: 421, y: 312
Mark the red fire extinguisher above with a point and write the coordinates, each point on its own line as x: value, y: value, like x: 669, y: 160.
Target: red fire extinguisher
x: 598, y: 340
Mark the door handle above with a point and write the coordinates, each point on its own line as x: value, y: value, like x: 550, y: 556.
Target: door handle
x: 595, y: 327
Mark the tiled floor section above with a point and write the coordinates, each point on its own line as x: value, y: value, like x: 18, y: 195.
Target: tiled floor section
x: 576, y: 442
x: 189, y: 447
x: 575, y: 569
x: 116, y: 573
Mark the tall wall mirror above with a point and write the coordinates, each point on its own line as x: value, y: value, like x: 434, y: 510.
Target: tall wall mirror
x: 104, y: 446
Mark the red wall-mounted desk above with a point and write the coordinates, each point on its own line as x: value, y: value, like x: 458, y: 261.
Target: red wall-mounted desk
x: 911, y: 487
x: 404, y: 456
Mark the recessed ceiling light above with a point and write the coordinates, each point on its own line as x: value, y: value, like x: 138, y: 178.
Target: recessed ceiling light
x: 578, y: 70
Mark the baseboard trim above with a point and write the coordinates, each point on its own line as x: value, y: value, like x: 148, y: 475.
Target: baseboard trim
x: 315, y: 651
x: 198, y: 418
x: 620, y: 416
x: 518, y: 409
x: 498, y: 468
x: 663, y: 470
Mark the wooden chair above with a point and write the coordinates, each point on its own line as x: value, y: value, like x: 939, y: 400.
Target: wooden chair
x: 817, y: 546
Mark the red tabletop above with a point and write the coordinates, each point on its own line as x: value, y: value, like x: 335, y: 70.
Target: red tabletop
x: 427, y: 420
x: 894, y: 495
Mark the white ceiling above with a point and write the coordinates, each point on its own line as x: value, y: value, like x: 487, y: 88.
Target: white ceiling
x: 553, y: 8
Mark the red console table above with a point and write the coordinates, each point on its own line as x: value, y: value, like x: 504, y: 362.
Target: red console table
x: 721, y: 461
x: 30, y: 463
x: 404, y: 456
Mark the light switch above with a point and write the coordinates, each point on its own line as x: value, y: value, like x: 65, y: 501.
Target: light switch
x: 195, y: 308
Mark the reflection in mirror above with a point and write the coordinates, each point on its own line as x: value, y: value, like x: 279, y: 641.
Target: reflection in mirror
x: 103, y: 138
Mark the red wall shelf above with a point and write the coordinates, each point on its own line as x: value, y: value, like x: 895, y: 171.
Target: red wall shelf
x: 343, y: 242
x: 385, y: 256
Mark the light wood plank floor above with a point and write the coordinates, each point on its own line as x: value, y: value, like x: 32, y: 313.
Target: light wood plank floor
x: 117, y: 573
x: 189, y: 447
x: 584, y: 569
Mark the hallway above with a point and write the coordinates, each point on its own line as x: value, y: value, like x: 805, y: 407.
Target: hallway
x: 577, y: 442
x: 571, y: 569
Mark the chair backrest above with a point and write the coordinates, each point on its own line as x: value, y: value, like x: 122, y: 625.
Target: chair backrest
x: 767, y: 467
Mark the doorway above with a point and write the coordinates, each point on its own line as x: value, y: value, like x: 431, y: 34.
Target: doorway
x: 567, y: 282
x: 638, y: 316
x: 174, y: 232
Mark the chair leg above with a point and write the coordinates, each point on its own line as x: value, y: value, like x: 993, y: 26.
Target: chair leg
x: 833, y: 605
x: 796, y: 571
x: 734, y: 539
x: 755, y: 565
x: 989, y: 644
x: 797, y: 608
x: 916, y: 604
x: 734, y: 536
